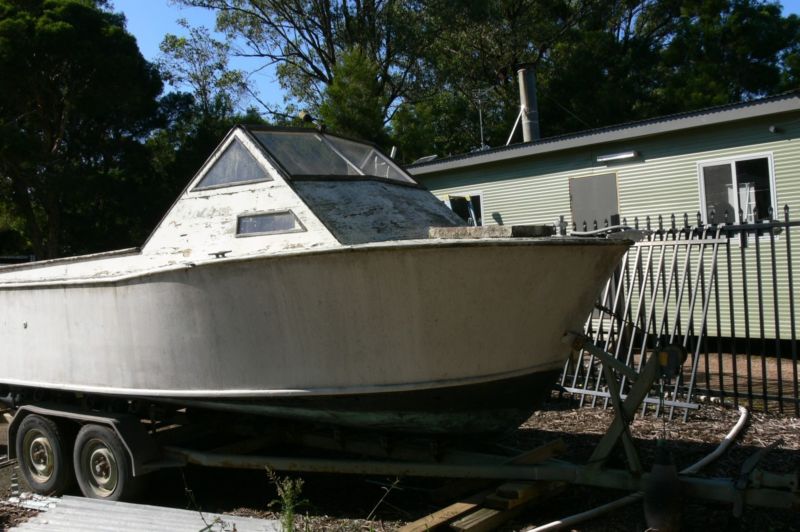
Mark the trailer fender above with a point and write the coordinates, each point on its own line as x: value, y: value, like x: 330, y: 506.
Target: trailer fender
x: 142, y: 449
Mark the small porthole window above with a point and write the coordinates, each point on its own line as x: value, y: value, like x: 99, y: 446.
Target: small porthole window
x: 268, y: 223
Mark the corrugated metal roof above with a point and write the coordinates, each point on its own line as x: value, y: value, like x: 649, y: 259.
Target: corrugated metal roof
x: 788, y: 101
x: 79, y: 514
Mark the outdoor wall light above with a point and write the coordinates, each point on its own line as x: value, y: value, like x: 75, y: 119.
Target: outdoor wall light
x: 617, y: 156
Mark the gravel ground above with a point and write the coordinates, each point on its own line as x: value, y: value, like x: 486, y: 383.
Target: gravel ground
x: 349, y: 503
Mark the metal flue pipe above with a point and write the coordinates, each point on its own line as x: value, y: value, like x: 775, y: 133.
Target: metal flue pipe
x: 529, y: 106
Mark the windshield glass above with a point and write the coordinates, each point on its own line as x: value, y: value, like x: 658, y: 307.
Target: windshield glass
x: 314, y: 154
x: 367, y: 159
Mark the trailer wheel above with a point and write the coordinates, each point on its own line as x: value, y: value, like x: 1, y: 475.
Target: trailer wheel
x: 42, y: 451
x: 102, y: 466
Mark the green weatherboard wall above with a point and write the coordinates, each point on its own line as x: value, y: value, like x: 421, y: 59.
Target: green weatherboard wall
x: 662, y: 180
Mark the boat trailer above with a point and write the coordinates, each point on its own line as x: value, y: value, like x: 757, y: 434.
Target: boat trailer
x: 526, y: 476
x: 539, y: 470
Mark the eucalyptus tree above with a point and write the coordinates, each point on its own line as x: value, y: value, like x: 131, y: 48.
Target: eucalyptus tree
x: 306, y: 40
x: 200, y: 63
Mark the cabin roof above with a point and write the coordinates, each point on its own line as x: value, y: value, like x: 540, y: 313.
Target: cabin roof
x: 304, y: 153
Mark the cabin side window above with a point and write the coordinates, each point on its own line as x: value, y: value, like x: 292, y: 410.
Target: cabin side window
x: 235, y: 166
x: 268, y: 223
x: 737, y: 191
x: 468, y: 207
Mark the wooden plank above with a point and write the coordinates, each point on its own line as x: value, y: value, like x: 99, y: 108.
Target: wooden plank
x: 522, y: 493
x: 447, y: 514
x: 457, y: 489
x: 540, y: 454
x: 487, y: 519
x: 484, y: 520
x: 455, y: 510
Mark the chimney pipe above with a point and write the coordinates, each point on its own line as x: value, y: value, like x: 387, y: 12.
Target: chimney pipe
x: 527, y: 99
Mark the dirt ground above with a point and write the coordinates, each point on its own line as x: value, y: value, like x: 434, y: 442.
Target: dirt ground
x: 349, y: 503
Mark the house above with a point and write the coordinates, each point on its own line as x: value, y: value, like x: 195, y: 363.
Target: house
x: 742, y: 160
x: 737, y: 163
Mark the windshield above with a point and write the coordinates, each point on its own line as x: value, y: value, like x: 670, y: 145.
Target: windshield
x: 314, y: 154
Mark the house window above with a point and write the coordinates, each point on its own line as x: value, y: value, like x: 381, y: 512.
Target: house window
x: 268, y: 223
x: 468, y: 207
x: 739, y: 191
x: 235, y: 166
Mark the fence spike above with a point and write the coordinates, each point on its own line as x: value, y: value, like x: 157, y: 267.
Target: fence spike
x: 636, y: 221
x: 595, y: 225
x: 648, y: 222
x: 660, y: 223
x: 585, y: 228
x: 672, y: 221
x: 769, y: 212
x: 686, y: 220
x: 699, y: 219
x: 713, y: 216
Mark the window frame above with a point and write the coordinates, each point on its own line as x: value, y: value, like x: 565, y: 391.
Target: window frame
x: 478, y: 193
x: 720, y: 161
x: 221, y: 153
x: 300, y: 227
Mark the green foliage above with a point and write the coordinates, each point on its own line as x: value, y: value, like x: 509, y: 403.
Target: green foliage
x: 200, y: 63
x: 179, y: 149
x: 90, y: 158
x: 77, y: 99
x: 353, y: 103
x: 307, y: 40
x: 289, y: 492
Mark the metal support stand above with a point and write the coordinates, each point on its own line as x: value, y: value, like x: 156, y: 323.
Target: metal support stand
x: 624, y: 411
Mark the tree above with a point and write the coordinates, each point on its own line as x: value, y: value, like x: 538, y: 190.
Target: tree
x: 598, y: 62
x: 200, y: 63
x: 353, y: 103
x: 306, y: 39
x: 78, y: 98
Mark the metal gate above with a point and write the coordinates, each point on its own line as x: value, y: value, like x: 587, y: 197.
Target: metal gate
x: 724, y: 292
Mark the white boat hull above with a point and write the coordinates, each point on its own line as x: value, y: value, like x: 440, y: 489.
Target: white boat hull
x: 363, y: 320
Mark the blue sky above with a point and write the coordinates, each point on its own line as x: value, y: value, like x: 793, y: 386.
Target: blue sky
x: 150, y: 20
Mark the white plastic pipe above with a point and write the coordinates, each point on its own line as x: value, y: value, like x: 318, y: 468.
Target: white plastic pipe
x: 744, y: 414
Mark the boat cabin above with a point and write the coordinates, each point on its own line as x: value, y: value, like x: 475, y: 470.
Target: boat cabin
x: 301, y: 188
x: 268, y: 190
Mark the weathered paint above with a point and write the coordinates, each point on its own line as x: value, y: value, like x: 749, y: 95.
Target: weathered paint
x: 204, y: 313
x: 358, y: 320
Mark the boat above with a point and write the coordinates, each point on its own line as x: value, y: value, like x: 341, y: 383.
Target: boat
x: 296, y: 277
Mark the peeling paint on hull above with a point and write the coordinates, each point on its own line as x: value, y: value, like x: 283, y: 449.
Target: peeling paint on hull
x: 353, y: 322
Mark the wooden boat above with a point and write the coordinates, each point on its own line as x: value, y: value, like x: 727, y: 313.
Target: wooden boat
x: 295, y: 277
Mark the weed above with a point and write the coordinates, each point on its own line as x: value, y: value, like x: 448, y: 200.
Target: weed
x: 289, y: 491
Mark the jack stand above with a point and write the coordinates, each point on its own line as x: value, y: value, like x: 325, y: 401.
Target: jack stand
x: 624, y: 411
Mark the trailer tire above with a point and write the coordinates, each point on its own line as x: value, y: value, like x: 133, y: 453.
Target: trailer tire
x: 102, y: 466
x: 43, y: 455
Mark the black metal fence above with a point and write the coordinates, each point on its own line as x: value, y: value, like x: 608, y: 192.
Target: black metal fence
x: 723, y: 291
